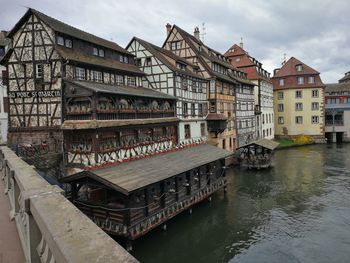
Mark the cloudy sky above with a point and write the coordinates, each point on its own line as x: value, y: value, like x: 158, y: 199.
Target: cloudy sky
x: 316, y: 32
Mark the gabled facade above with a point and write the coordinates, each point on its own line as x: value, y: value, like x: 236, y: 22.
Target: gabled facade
x: 263, y: 90
x: 44, y: 52
x: 298, y: 100
x: 175, y: 76
x: 230, y: 122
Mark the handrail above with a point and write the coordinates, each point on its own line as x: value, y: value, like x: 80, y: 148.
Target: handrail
x: 51, y: 228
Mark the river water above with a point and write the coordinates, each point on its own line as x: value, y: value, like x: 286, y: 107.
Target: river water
x: 297, y: 211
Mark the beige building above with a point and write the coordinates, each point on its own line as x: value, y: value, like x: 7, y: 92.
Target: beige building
x: 298, y: 101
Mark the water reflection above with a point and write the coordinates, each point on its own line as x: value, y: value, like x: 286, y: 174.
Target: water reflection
x: 297, y: 211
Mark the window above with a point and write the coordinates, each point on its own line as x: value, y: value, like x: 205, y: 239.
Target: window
x: 298, y: 106
x: 311, y: 80
x: 2, y: 51
x: 300, y: 80
x: 314, y: 106
x: 333, y: 101
x: 184, y: 84
x: 212, y: 107
x: 298, y: 94
x: 200, y: 109
x: 95, y: 51
x: 223, y: 144
x: 193, y: 109
x: 280, y: 120
x: 126, y: 60
x: 281, y: 82
x: 131, y: 81
x: 60, y: 41
x: 299, y: 120
x: 184, y: 109
x: 119, y: 79
x: 68, y: 43
x: 238, y: 59
x: 221, y: 107
x: 138, y: 62
x: 39, y: 71
x: 101, y: 52
x: 203, y: 132
x: 180, y: 65
x: 187, y: 131
x: 299, y: 67
x: 80, y: 73
x: 280, y: 108
x: 280, y: 95
x: 175, y: 45
x: 314, y: 93
x: 314, y: 119
x: 194, y: 86
x: 97, y: 76
x: 148, y: 62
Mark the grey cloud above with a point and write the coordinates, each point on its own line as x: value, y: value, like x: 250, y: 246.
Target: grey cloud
x: 315, y: 32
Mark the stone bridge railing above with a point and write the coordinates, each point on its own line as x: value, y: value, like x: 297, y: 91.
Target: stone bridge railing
x: 52, y: 229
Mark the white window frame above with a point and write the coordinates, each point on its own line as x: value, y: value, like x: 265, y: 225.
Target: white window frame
x: 315, y: 93
x: 298, y: 119
x: 315, y: 119
x: 60, y: 41
x: 80, y: 73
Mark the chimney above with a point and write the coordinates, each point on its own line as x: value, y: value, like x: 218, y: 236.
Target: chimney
x: 196, y: 33
x: 168, y: 29
x: 275, y: 71
x: 241, y: 44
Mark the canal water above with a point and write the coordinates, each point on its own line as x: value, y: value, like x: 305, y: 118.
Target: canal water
x: 298, y: 211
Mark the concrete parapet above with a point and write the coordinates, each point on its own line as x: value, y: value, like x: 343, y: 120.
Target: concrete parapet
x: 51, y: 228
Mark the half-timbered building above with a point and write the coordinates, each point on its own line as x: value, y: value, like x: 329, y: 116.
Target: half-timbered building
x: 176, y: 76
x: 44, y: 52
x: 224, y: 82
x: 263, y: 90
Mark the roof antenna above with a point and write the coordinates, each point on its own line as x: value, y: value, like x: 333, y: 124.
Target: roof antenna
x: 284, y: 58
x: 203, y: 31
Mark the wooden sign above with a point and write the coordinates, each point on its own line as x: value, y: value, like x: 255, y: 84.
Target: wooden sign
x: 34, y: 94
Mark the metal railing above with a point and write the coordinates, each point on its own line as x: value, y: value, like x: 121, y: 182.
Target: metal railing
x: 335, y: 123
x: 51, y: 228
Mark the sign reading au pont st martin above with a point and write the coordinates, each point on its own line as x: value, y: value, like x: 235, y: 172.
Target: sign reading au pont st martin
x: 34, y: 94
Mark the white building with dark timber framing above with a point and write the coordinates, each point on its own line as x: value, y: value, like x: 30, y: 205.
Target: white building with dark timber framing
x: 173, y: 75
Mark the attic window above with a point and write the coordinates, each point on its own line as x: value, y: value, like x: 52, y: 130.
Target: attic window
x: 69, y: 43
x: 175, y: 45
x: 101, y: 53
x: 60, y: 41
x: 299, y: 67
x: 180, y: 65
x: 238, y: 59
x: 95, y: 51
x: 148, y: 61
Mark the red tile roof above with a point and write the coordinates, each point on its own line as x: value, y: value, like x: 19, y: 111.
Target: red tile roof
x: 289, y: 69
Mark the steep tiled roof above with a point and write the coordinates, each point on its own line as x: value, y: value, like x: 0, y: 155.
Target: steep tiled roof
x: 202, y: 55
x: 64, y: 28
x: 120, y: 89
x: 289, y: 69
x: 73, y: 55
x: 346, y: 78
x: 160, y: 53
x: 337, y: 87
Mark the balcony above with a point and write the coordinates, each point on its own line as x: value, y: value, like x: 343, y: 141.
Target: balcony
x: 335, y: 123
x: 216, y: 122
x: 338, y: 106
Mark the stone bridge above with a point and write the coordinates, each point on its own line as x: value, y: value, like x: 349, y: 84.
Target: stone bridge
x: 49, y: 228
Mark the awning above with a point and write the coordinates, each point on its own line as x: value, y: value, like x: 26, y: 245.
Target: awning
x: 265, y: 143
x: 130, y: 176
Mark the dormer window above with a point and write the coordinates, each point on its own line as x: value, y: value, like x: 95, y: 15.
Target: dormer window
x: 299, y: 67
x: 101, y: 53
x: 180, y: 66
x: 126, y: 60
x: 95, y: 51
x: 281, y: 82
x: 68, y: 43
x: 60, y: 41
x: 300, y: 80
